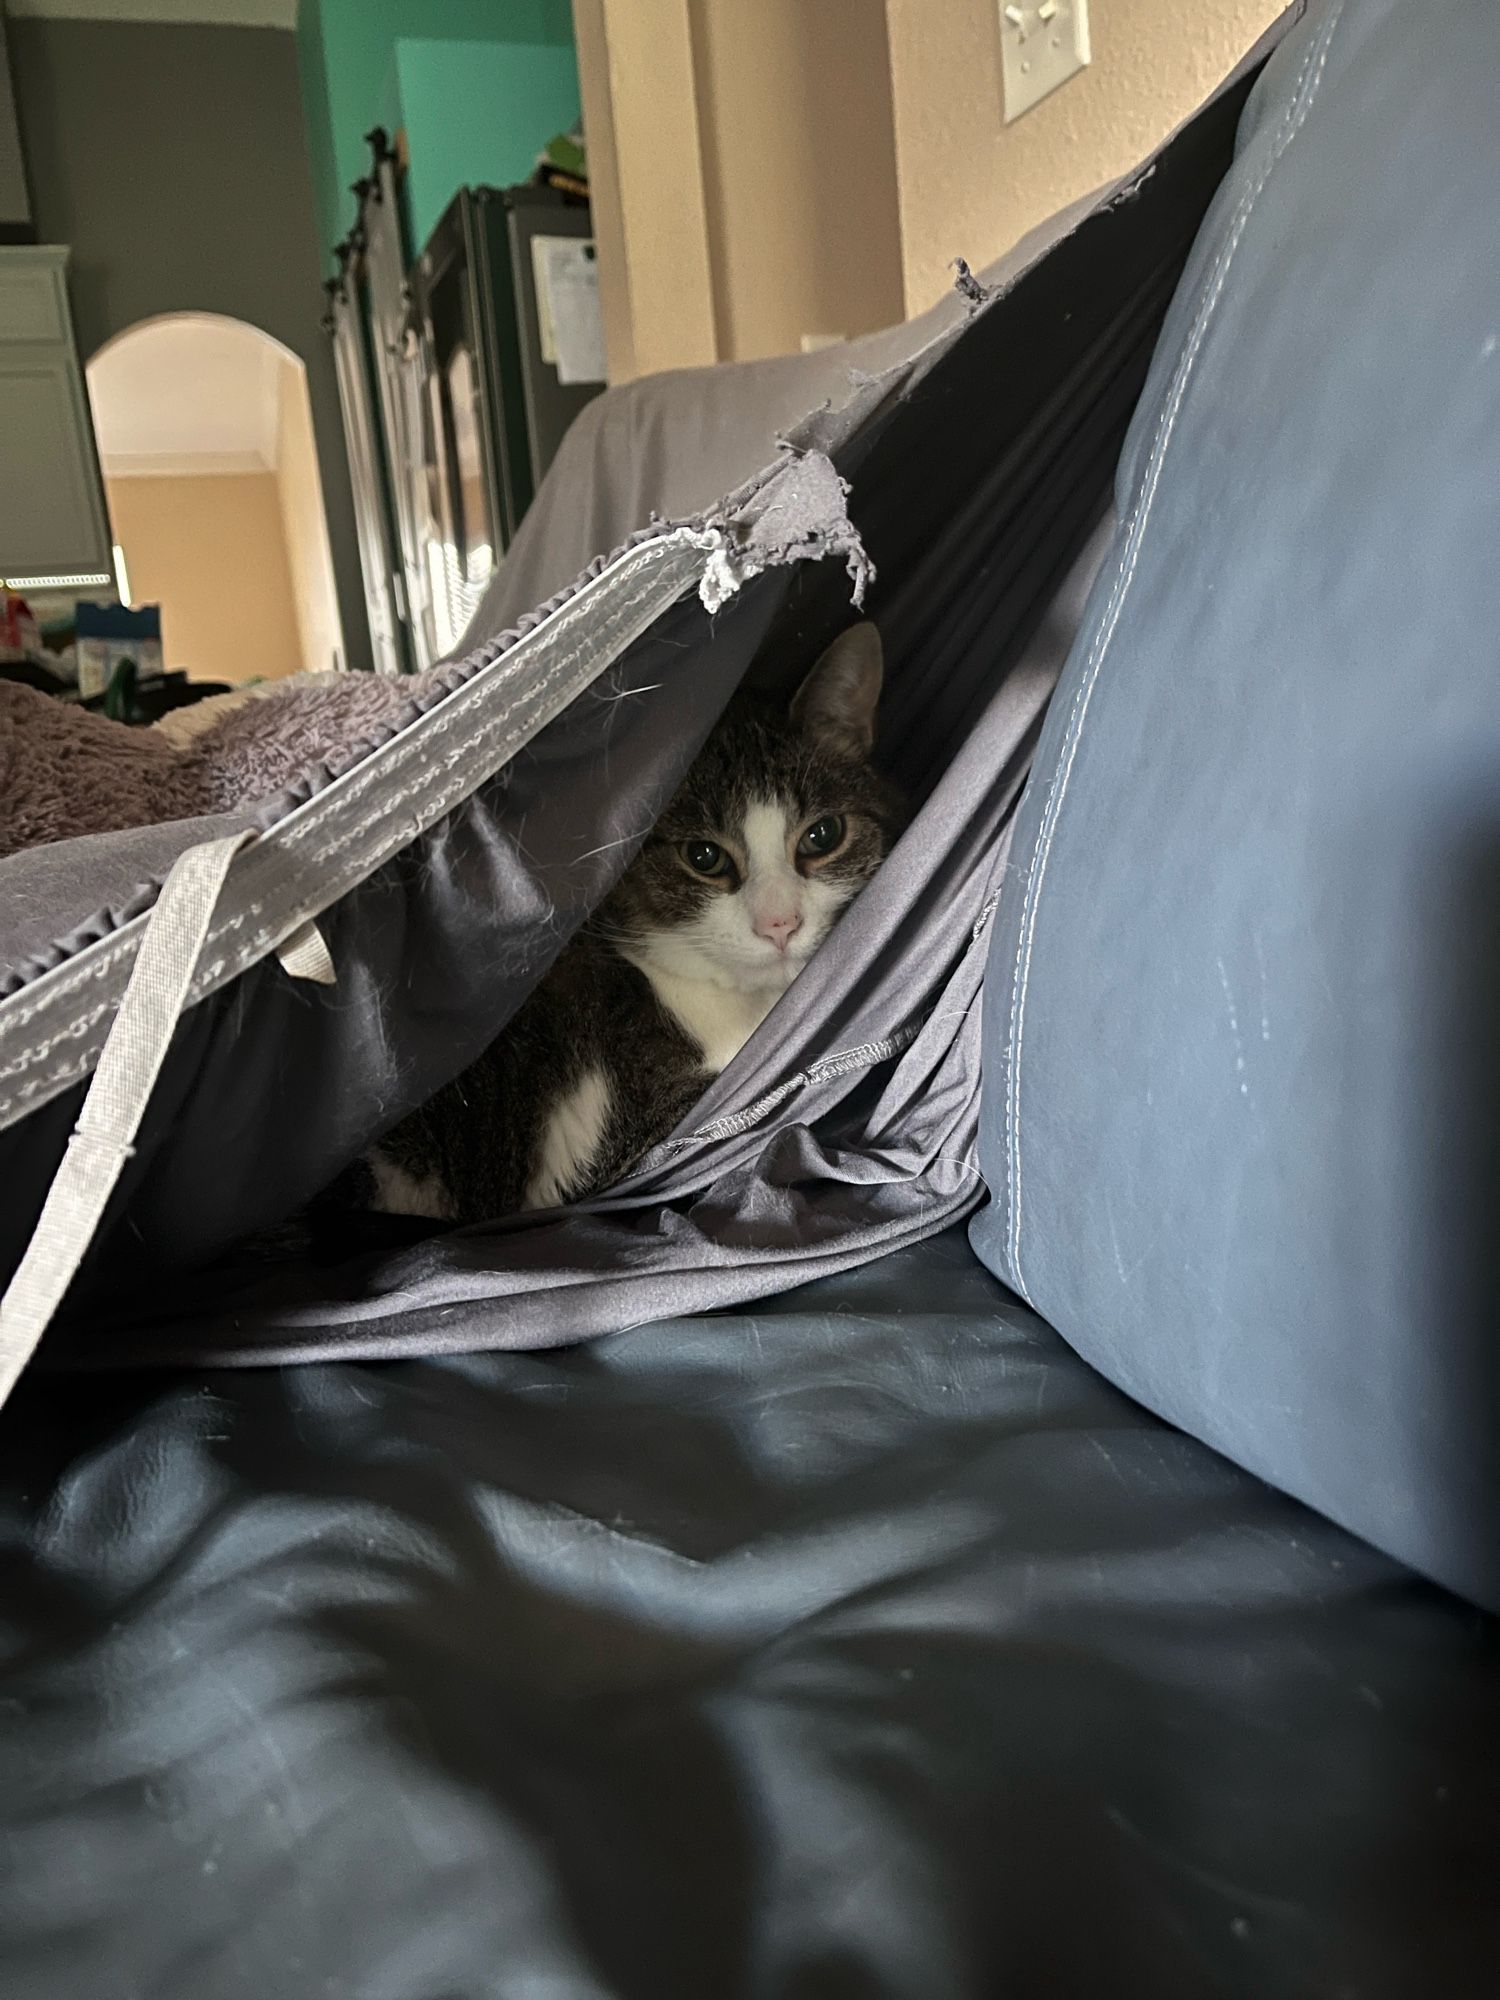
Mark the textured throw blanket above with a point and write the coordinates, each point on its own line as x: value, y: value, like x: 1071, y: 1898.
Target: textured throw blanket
x: 65, y: 772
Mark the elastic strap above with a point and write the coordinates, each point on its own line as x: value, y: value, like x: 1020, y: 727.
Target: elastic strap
x: 305, y: 955
x: 129, y: 1064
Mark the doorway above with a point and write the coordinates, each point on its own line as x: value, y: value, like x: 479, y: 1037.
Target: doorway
x: 206, y: 444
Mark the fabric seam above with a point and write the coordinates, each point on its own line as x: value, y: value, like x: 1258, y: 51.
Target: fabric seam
x: 827, y: 1069
x: 1301, y: 103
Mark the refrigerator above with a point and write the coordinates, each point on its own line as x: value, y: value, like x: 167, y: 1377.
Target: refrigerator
x: 465, y: 367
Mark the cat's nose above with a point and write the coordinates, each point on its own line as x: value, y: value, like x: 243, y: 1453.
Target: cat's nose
x: 780, y: 926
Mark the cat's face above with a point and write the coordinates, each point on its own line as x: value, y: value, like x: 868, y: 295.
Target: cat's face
x: 778, y: 825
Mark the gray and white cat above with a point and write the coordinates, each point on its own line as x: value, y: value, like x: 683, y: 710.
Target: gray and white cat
x: 779, y: 823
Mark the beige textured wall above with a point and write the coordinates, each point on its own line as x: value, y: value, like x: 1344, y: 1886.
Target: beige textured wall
x: 304, y: 524
x: 743, y: 175
x: 640, y: 108
x: 209, y: 548
x: 767, y: 169
x: 970, y: 185
x: 591, y: 39
x: 799, y: 170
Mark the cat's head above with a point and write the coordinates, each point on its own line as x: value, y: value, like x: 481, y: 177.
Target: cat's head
x: 779, y: 823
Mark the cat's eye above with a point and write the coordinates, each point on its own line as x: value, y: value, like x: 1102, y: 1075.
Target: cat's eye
x: 822, y: 837
x: 705, y: 857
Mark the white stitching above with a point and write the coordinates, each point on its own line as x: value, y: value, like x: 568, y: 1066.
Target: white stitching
x: 497, y: 752
x: 1301, y: 103
x: 1296, y: 112
x: 432, y: 773
x: 826, y: 1069
x: 97, y: 969
x: 477, y: 693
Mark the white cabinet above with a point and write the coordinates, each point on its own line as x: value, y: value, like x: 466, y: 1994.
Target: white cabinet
x: 53, y: 519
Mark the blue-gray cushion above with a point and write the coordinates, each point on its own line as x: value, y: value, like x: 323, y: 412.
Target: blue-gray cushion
x: 1242, y: 1091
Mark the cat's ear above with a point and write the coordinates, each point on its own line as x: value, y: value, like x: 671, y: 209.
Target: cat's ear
x: 836, y: 703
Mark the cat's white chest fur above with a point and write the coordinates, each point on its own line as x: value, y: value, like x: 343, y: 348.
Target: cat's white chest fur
x: 720, y: 1019
x: 398, y: 1192
x: 570, y: 1140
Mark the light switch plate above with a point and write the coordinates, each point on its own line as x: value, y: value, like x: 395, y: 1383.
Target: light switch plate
x: 1042, y: 44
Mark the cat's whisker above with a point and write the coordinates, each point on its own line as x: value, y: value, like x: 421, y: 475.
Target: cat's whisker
x: 623, y: 841
x: 624, y: 694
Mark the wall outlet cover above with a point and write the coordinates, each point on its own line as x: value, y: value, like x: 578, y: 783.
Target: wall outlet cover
x: 1042, y: 44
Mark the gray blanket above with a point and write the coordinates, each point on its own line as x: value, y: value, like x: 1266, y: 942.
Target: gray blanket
x: 66, y: 774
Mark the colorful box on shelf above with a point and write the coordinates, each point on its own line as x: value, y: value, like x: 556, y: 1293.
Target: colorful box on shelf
x: 108, y: 634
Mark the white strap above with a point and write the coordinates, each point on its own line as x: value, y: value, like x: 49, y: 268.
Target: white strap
x: 305, y: 955
x: 129, y: 1064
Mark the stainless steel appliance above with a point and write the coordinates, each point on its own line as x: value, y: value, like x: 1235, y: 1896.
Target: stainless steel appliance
x: 460, y: 372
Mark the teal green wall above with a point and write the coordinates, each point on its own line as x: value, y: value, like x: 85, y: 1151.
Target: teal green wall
x: 347, y: 54
x: 478, y: 113
x: 315, y: 121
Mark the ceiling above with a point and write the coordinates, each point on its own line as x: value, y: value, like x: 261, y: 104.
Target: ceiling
x: 189, y: 394
x: 221, y: 13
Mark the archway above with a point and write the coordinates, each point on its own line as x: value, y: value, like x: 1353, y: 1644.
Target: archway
x: 206, y: 444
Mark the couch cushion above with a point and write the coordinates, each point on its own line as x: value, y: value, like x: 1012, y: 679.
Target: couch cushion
x: 1243, y: 1035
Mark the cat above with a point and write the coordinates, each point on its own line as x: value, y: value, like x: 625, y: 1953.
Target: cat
x: 779, y: 823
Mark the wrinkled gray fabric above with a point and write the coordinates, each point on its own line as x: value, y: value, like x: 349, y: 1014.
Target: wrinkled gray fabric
x: 473, y: 843
x: 864, y: 1645
x: 273, y: 1086
x: 846, y: 1126
x: 1243, y: 1046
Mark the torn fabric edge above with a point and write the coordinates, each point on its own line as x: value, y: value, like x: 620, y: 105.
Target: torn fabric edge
x: 799, y: 515
x: 974, y: 295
